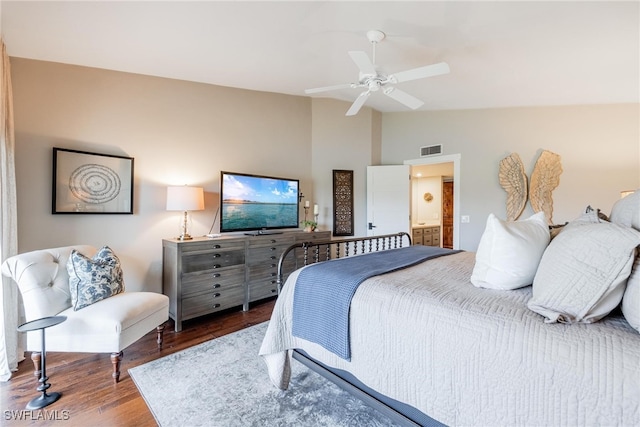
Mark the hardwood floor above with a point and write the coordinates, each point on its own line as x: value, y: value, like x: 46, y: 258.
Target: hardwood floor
x: 89, y: 397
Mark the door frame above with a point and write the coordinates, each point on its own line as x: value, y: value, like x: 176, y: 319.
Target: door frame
x: 449, y: 158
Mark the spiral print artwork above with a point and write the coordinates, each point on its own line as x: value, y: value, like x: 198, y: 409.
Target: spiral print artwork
x: 94, y: 184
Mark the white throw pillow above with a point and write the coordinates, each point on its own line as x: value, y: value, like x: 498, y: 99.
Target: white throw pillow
x: 631, y: 298
x: 626, y: 211
x: 509, y: 252
x: 583, y: 273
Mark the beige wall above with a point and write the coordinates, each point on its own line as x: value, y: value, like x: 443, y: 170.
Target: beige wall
x: 185, y: 133
x: 178, y: 132
x: 340, y: 142
x: 599, y: 146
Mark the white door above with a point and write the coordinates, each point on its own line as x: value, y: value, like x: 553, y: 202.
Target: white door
x: 388, y: 199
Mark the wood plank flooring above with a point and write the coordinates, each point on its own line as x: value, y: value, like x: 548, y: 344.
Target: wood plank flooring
x: 89, y: 397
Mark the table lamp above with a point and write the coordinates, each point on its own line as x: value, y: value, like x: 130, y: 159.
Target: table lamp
x: 185, y: 198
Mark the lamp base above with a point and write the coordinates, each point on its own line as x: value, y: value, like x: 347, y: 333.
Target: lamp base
x: 41, y: 401
x: 185, y: 237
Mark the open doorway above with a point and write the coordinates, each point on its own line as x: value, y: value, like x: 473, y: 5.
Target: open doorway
x: 432, y: 204
x: 435, y: 199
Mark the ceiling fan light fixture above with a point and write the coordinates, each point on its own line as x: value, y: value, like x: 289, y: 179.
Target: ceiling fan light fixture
x: 375, y: 36
x: 373, y: 80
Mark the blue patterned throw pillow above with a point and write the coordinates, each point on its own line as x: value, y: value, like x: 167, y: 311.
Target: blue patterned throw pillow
x: 94, y: 279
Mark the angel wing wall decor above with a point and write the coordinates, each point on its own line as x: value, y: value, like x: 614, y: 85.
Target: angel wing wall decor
x: 544, y: 179
x: 514, y: 181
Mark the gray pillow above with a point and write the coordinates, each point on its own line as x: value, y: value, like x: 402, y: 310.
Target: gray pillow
x: 583, y: 272
x: 626, y: 211
x: 631, y: 298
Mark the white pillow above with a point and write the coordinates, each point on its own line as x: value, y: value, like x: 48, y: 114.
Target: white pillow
x: 583, y: 272
x: 626, y: 211
x: 631, y: 298
x: 509, y: 252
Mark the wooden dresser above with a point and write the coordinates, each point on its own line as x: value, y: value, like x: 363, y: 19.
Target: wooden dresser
x: 427, y: 235
x: 202, y: 276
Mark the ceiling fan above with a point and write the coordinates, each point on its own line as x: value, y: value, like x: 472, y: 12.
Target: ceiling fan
x: 373, y: 80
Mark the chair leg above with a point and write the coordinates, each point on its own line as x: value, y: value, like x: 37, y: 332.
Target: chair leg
x: 160, y: 332
x: 36, y: 359
x: 116, y: 358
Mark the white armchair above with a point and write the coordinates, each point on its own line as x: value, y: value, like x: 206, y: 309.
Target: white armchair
x: 107, y: 326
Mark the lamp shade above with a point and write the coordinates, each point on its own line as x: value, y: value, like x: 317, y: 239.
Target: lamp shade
x: 185, y: 198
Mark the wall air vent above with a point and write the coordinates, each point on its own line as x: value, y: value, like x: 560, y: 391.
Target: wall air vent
x: 431, y: 150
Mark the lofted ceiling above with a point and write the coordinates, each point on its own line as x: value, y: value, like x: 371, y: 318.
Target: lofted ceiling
x: 501, y: 54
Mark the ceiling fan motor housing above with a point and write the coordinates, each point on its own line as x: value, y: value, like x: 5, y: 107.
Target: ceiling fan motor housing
x: 375, y: 36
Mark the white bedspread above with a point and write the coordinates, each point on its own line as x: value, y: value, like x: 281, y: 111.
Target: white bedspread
x: 469, y: 356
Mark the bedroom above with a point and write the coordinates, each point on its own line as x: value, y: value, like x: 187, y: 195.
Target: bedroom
x: 186, y: 132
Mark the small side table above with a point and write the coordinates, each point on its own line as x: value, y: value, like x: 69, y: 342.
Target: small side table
x: 42, y: 324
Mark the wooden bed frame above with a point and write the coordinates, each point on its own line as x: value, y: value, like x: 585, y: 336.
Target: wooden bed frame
x: 322, y: 250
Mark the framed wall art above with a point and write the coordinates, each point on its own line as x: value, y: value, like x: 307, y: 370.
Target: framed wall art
x: 91, y: 183
x: 343, y: 203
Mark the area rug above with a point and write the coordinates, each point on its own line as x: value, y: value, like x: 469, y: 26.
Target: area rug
x: 223, y: 382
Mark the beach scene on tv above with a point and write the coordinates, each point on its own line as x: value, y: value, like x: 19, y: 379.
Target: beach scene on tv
x: 255, y: 202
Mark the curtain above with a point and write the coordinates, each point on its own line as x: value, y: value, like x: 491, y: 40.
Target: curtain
x: 11, y: 343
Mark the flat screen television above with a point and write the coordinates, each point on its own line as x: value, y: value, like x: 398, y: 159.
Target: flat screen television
x: 257, y: 203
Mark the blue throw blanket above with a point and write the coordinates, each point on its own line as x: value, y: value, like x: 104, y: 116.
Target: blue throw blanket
x: 323, y: 292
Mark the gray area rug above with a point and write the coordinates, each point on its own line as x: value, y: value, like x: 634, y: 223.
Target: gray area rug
x: 223, y: 382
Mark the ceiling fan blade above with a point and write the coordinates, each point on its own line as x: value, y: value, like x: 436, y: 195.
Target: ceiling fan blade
x: 403, y: 97
x: 358, y: 103
x: 363, y: 62
x: 420, y: 73
x: 328, y: 88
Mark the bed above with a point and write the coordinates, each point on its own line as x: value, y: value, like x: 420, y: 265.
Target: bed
x: 429, y: 347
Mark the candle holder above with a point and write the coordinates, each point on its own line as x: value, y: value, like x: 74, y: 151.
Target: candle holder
x: 306, y: 212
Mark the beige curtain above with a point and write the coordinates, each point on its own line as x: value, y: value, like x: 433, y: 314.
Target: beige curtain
x: 11, y: 344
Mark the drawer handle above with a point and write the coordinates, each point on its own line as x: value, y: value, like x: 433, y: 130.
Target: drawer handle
x: 273, y: 265
x: 273, y: 291
x: 273, y: 257
x: 216, y: 286
x: 216, y: 305
x: 216, y: 275
x: 217, y: 255
x: 217, y: 266
x: 272, y: 249
x: 273, y: 282
x: 274, y: 274
x: 216, y: 295
x: 216, y: 246
x: 273, y: 241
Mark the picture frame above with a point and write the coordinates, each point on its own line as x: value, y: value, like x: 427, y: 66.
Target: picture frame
x: 91, y: 183
x: 342, y: 202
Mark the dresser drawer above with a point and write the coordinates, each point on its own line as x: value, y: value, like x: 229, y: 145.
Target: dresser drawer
x: 267, y: 254
x: 312, y: 237
x: 272, y: 240
x: 261, y: 289
x: 212, y: 245
x: 211, y: 260
x: 211, y: 301
x: 212, y: 281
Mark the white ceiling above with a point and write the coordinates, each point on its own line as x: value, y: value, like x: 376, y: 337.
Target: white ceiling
x: 501, y: 54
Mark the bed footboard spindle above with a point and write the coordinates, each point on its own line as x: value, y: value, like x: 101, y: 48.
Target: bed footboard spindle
x: 336, y: 249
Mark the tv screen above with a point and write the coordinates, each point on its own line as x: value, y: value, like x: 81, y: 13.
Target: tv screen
x: 255, y: 202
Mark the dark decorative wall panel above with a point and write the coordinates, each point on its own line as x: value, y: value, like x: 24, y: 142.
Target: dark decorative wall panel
x: 342, y: 203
